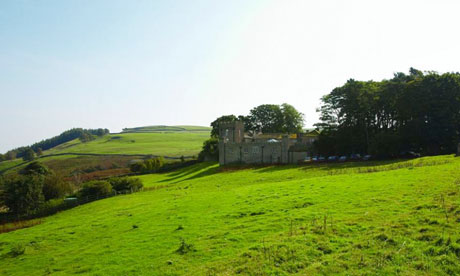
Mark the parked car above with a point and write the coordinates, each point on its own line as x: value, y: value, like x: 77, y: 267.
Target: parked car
x: 321, y: 159
x: 409, y: 154
x: 315, y: 159
x: 332, y: 158
x: 367, y: 157
x: 355, y: 156
x: 342, y: 158
x: 307, y: 159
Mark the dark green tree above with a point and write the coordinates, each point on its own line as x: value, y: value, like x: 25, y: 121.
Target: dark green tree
x: 24, y: 194
x: 419, y: 112
x: 35, y: 167
x: 55, y: 187
x: 29, y: 155
x: 10, y: 155
x: 210, y: 150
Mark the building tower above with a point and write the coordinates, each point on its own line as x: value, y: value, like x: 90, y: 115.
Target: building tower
x: 229, y: 133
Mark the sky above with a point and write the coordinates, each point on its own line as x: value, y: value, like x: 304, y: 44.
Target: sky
x: 116, y: 64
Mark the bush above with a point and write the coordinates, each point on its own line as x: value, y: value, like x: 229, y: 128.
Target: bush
x: 55, y: 187
x: 96, y: 188
x: 35, y: 168
x: 17, y: 250
x: 126, y: 184
x: 24, y: 194
x: 29, y: 155
x: 149, y: 165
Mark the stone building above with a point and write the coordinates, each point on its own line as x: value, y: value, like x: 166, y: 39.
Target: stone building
x: 268, y: 148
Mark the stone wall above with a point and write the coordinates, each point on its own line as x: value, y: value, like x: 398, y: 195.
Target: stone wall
x: 252, y: 153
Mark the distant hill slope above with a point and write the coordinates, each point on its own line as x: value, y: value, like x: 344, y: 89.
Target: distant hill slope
x: 370, y: 218
x: 160, y: 128
x: 170, y: 141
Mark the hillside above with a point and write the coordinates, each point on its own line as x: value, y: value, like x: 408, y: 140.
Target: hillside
x: 381, y: 218
x: 106, y: 153
x: 162, y: 128
x: 170, y: 143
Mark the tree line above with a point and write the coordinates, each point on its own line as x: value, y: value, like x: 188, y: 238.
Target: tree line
x: 419, y: 112
x: 38, y: 189
x: 36, y: 149
x: 266, y: 118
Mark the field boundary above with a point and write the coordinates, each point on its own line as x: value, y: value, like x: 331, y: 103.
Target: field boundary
x: 114, y: 154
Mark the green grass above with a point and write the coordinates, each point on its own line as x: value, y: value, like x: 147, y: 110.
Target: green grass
x: 167, y: 128
x: 380, y: 218
x: 157, y: 143
x: 172, y: 141
x: 9, y: 164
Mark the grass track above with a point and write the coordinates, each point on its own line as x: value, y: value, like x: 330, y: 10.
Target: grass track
x: 389, y: 218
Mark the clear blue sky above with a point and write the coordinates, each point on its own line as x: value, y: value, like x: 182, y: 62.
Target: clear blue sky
x: 116, y: 64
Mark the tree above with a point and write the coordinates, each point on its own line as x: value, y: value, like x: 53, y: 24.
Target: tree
x: 55, y: 187
x: 29, y: 155
x: 271, y: 118
x: 23, y: 194
x: 39, y: 152
x: 210, y: 149
x: 148, y: 166
x: 418, y: 112
x: 86, y: 137
x: 126, y: 184
x: 293, y: 120
x: 10, y: 155
x: 95, y: 188
x: 266, y: 118
x: 2, y: 157
x: 35, y: 167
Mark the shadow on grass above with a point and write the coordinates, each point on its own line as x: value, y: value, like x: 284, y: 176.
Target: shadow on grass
x: 206, y: 166
x: 210, y: 170
x: 325, y: 166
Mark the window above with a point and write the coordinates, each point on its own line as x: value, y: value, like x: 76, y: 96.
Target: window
x: 245, y: 150
x: 255, y: 150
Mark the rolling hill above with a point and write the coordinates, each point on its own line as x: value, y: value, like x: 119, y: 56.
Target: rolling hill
x: 114, y: 151
x: 374, y: 218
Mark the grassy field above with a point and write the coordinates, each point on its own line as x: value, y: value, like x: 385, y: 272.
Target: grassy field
x: 172, y: 141
x: 6, y: 165
x: 167, y: 128
x: 381, y: 218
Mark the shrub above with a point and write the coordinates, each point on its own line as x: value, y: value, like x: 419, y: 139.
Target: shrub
x: 126, y: 184
x: 29, y: 155
x: 185, y: 248
x: 149, y: 165
x: 55, y: 186
x: 24, y: 194
x: 137, y: 167
x: 17, y: 250
x: 35, y: 168
x: 96, y: 188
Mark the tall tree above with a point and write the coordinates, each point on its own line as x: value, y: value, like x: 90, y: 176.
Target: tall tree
x: 29, y: 155
x: 419, y: 111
